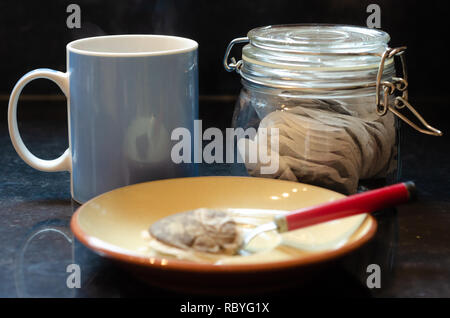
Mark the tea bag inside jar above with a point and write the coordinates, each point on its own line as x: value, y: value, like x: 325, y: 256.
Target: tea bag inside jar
x: 327, y: 143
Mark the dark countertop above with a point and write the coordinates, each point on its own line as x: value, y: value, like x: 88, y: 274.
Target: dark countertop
x: 411, y: 246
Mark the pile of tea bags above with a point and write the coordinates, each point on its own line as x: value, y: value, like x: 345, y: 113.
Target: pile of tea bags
x: 327, y: 144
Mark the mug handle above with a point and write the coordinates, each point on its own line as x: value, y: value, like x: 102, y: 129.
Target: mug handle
x: 62, y: 163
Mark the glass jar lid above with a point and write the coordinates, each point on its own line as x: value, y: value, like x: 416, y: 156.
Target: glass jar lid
x: 323, y: 38
x: 315, y: 56
x: 314, y: 47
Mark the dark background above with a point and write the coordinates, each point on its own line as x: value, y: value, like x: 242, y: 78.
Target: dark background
x: 34, y: 33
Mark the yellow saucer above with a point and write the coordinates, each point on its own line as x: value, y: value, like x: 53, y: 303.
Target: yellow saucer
x: 115, y: 225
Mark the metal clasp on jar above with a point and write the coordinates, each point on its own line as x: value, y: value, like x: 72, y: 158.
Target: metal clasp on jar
x: 233, y: 66
x: 398, y: 84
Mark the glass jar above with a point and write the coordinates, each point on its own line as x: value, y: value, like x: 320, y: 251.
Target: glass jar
x: 328, y: 90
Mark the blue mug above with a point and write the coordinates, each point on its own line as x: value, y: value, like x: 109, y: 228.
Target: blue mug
x: 125, y: 95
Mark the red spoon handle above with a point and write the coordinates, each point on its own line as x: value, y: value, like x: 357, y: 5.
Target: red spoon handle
x: 364, y: 202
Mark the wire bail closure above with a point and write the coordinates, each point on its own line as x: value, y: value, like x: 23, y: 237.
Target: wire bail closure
x: 233, y: 66
x: 382, y: 105
x: 398, y: 84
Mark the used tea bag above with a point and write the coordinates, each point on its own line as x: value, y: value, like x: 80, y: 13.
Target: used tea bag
x: 202, y: 230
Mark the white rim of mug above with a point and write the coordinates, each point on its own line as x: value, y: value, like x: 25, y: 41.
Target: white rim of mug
x: 193, y: 45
